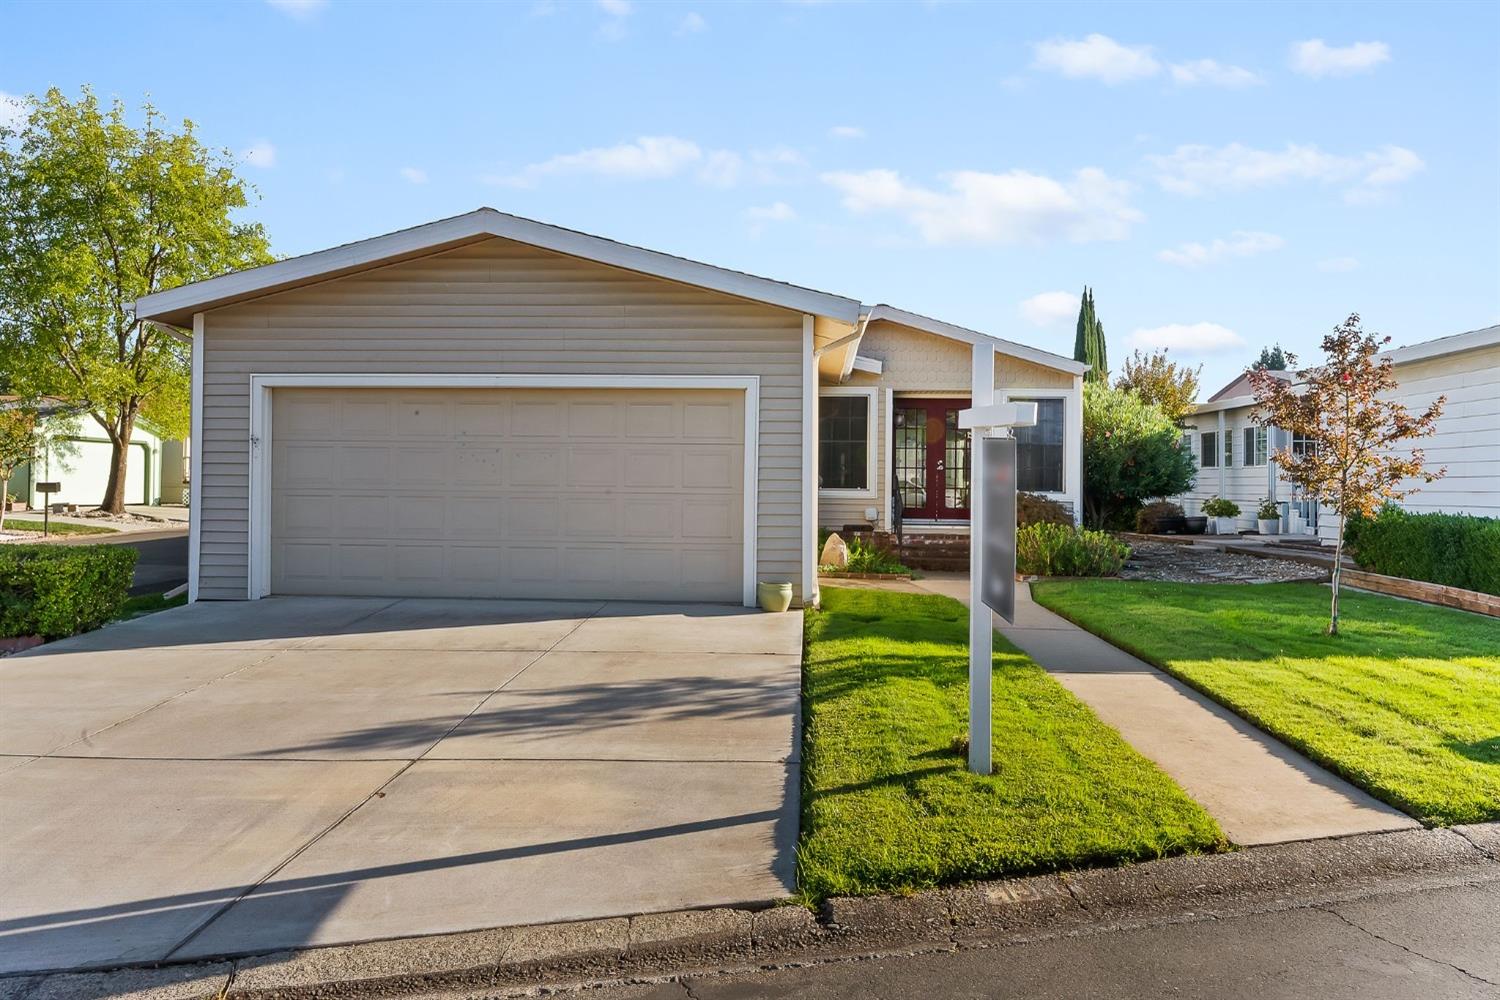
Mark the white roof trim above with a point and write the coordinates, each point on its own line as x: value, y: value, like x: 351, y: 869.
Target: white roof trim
x: 871, y: 366
x: 175, y: 303
x: 1229, y: 403
x: 1473, y: 340
x: 934, y: 326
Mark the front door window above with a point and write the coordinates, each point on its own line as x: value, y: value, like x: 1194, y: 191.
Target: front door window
x: 931, y: 459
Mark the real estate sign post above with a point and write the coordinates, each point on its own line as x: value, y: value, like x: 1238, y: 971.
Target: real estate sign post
x: 992, y: 554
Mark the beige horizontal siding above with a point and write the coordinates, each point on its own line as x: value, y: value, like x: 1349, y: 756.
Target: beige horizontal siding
x: 493, y: 307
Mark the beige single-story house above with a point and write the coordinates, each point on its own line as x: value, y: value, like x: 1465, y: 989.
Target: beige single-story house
x: 1233, y: 452
x: 489, y: 406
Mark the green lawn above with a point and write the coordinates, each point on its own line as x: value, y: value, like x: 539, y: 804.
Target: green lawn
x: 145, y: 604
x: 1405, y: 702
x: 56, y: 528
x: 888, y: 802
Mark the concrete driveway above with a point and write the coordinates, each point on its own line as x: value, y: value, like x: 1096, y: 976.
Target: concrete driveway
x: 244, y: 777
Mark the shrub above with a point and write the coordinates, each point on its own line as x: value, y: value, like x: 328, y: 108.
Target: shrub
x: 1058, y: 550
x: 1269, y: 510
x: 1455, y: 550
x: 1219, y: 507
x: 867, y: 558
x: 1034, y: 509
x: 1148, y: 519
x: 61, y: 590
x: 1132, y: 452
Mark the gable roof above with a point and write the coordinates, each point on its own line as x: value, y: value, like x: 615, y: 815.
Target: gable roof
x: 176, y: 306
x: 961, y: 333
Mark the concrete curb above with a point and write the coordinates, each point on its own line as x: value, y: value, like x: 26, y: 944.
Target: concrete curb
x: 664, y: 945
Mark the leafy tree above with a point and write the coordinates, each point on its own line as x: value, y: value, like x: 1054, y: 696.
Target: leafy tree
x: 1356, y: 465
x: 1132, y: 452
x: 95, y: 213
x: 17, y: 442
x: 1156, y: 379
x: 1272, y: 359
x: 1089, y: 347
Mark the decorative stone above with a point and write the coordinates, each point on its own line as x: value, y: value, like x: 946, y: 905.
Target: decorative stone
x: 835, y: 553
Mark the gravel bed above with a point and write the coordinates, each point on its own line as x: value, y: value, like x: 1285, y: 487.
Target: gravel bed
x: 1171, y: 563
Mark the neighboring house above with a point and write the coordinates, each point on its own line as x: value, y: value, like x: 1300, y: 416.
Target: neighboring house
x: 1232, y: 451
x: 78, y: 458
x: 490, y: 406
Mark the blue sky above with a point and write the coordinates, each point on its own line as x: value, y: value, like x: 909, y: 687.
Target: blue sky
x: 1223, y: 176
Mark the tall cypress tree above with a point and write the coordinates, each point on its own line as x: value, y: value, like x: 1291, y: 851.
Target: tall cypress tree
x: 1089, y: 346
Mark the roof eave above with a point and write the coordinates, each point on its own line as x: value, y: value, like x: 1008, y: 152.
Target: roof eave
x: 961, y: 333
x: 177, y: 306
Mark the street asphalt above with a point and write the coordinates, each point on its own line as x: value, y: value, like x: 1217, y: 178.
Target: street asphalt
x: 1423, y: 944
x: 163, y: 561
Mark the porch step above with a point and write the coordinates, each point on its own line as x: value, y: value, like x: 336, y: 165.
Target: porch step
x: 935, y: 551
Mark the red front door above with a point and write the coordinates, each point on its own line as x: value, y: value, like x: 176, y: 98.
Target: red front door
x: 930, y: 458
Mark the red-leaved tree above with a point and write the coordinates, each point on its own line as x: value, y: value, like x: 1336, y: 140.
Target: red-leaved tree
x: 1343, y: 406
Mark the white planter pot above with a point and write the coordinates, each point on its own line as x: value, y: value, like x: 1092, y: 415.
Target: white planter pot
x: 1268, y: 526
x: 1225, y: 526
x: 1295, y: 523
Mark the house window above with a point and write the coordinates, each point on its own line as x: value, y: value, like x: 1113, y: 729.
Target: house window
x: 1208, y: 449
x: 1255, y: 446
x: 1303, y: 444
x: 1228, y: 451
x: 1039, y: 449
x: 844, y: 442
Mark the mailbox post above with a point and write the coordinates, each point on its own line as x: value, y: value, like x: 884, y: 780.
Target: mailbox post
x: 992, y: 555
x: 47, y: 489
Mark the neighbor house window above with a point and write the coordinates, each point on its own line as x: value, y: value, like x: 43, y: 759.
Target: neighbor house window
x: 1228, y: 451
x: 1255, y: 446
x: 1039, y: 449
x: 844, y: 442
x: 1208, y: 449
x: 1302, y: 444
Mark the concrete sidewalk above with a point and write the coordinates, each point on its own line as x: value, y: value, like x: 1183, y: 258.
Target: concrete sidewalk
x: 1260, y: 790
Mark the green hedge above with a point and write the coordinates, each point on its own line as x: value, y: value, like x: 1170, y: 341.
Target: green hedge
x: 61, y: 590
x: 1062, y: 550
x: 1455, y: 550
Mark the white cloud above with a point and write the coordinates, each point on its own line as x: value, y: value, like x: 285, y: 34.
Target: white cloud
x: 616, y: 8
x: 299, y: 9
x: 615, y: 12
x: 1197, y: 170
x: 1097, y: 56
x: 260, y: 153
x: 1211, y: 73
x: 1239, y: 244
x: 1188, y: 338
x: 660, y: 157
x: 847, y: 132
x: 1050, y: 308
x: 12, y: 111
x: 1013, y: 207
x: 1316, y: 58
x: 1338, y: 265
x: 415, y: 175
x: 692, y: 23
x: 761, y: 216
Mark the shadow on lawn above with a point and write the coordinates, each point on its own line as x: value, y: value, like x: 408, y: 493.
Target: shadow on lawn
x: 1484, y: 751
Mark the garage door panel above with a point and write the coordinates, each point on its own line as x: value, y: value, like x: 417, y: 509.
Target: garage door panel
x: 634, y: 494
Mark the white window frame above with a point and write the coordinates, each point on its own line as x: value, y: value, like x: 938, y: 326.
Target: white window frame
x: 1260, y: 448
x: 1215, y: 451
x: 872, y: 449
x: 262, y: 399
x: 1037, y: 395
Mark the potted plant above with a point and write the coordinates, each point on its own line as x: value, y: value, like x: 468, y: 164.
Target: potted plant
x: 1223, y: 512
x: 1268, y: 517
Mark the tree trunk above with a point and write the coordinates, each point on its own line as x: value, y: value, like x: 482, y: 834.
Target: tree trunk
x: 1338, y: 566
x: 4, y: 496
x: 119, y: 443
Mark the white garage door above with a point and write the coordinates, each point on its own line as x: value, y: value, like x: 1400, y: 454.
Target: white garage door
x: 82, y: 468
x: 591, y: 493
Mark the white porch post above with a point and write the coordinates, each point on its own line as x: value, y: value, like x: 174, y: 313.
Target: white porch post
x: 195, y: 461
x: 981, y: 625
x: 809, y: 466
